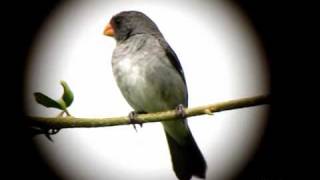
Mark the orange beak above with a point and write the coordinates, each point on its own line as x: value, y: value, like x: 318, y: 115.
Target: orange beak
x: 108, y: 30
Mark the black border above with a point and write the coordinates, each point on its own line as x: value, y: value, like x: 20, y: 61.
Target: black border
x: 276, y: 157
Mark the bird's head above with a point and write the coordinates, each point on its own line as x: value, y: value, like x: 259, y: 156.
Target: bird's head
x: 128, y: 23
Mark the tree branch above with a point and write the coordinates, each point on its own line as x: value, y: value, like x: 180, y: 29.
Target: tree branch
x: 74, y: 122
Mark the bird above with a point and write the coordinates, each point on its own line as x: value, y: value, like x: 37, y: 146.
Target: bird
x: 151, y: 79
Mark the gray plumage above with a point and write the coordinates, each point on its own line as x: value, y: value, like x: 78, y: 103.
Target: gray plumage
x: 151, y: 79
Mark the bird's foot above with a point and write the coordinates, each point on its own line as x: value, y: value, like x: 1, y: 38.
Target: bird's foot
x: 180, y: 111
x: 133, y: 119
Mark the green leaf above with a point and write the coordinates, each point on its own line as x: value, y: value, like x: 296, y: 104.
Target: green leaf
x: 47, y: 101
x: 67, y: 96
x: 62, y: 103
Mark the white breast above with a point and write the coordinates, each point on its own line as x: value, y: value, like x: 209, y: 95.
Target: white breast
x: 129, y: 70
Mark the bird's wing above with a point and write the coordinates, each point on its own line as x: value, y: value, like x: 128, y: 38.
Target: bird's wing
x: 172, y: 57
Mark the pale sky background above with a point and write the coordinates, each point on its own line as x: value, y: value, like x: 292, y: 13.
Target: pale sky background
x: 221, y: 58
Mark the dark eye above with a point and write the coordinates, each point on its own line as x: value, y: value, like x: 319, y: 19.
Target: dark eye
x: 117, y: 21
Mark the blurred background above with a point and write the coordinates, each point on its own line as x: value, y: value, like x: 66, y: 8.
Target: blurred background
x: 264, y: 160
x: 221, y: 56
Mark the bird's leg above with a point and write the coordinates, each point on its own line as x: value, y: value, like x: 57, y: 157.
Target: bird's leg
x: 180, y: 111
x: 133, y: 119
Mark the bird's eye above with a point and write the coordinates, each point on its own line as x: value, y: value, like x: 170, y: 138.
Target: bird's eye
x: 117, y: 21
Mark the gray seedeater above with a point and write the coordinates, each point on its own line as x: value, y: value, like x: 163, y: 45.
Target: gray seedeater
x: 151, y: 79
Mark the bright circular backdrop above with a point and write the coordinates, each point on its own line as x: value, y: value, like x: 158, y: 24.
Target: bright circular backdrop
x: 221, y: 58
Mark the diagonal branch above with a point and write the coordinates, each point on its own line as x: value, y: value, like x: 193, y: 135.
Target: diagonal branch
x: 74, y: 122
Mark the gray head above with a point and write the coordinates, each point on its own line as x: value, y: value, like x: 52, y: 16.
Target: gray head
x: 128, y: 23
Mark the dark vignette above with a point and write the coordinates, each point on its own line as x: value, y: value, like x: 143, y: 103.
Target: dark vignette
x: 276, y: 157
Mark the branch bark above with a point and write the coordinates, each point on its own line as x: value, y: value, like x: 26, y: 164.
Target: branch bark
x: 74, y: 122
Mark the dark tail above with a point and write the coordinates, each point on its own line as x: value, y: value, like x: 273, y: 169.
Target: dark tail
x: 187, y: 159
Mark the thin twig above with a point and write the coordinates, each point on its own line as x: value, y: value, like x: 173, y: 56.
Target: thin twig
x: 74, y: 122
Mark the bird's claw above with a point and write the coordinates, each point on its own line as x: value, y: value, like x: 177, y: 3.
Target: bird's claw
x: 180, y: 111
x: 133, y: 119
